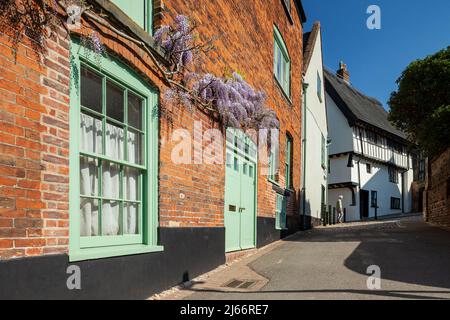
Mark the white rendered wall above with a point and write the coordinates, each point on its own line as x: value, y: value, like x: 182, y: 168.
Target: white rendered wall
x: 352, y: 212
x: 339, y: 130
x: 340, y: 172
x: 409, y: 178
x: 316, y: 126
x: 378, y: 181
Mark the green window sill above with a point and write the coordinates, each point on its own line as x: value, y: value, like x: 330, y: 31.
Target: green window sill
x: 107, y: 252
x: 273, y: 182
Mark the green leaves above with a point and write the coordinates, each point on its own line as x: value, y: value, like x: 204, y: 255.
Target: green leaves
x: 421, y: 105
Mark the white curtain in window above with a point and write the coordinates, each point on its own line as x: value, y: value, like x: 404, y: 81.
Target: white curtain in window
x: 91, y: 134
x: 111, y: 180
x: 91, y: 141
x: 131, y: 181
x: 110, y: 209
x: 114, y: 141
x: 131, y: 189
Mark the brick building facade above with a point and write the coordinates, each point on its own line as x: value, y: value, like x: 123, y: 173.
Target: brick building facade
x: 437, y: 190
x: 183, y: 209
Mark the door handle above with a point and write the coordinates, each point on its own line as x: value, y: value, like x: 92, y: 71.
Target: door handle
x: 241, y: 209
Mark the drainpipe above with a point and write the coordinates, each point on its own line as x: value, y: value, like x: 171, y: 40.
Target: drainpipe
x: 359, y: 171
x: 303, y: 173
x: 403, y: 192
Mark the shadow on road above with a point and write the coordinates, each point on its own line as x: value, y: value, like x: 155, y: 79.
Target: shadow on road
x: 406, y: 251
x: 401, y: 294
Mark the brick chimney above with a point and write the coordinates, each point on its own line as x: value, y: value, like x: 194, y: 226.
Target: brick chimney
x: 343, y: 72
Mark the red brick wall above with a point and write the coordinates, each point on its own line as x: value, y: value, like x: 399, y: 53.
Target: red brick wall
x: 438, y: 191
x: 247, y: 45
x: 33, y: 149
x: 34, y: 123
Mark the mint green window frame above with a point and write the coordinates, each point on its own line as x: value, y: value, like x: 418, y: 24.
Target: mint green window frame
x: 272, y: 166
x: 280, y: 212
x: 288, y: 162
x: 282, y: 63
x: 141, y: 13
x: 319, y: 86
x: 82, y: 248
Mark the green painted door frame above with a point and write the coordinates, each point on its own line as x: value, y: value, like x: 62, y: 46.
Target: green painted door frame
x: 240, y: 192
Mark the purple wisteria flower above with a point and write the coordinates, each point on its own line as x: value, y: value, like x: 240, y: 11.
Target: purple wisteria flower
x: 235, y: 101
x: 177, y: 41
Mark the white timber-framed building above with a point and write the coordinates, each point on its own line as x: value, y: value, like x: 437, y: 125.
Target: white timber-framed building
x: 369, y: 160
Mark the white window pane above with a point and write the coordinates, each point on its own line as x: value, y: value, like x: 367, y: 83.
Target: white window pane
x: 88, y: 176
x: 90, y: 134
x: 131, y: 184
x: 110, y: 218
x: 131, y: 218
x: 114, y: 141
x: 111, y: 180
x: 134, y: 145
x: 88, y: 217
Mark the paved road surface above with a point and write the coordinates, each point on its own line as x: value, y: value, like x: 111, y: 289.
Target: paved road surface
x: 331, y: 264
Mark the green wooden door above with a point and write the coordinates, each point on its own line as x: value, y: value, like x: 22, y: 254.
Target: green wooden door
x: 247, y: 205
x: 240, y: 192
x: 232, y: 202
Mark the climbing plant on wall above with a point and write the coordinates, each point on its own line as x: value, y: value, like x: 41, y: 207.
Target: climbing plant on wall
x: 229, y: 99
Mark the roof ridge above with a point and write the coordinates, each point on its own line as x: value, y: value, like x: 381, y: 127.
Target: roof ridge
x: 309, y: 48
x: 357, y: 106
x: 355, y: 90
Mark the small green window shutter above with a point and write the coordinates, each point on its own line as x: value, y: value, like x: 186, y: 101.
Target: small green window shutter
x: 319, y: 87
x: 280, y: 210
x: 283, y: 213
x: 288, y: 161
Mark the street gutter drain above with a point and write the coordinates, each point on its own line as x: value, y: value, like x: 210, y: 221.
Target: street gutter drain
x: 239, y: 284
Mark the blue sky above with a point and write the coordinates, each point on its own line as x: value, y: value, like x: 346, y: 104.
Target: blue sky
x: 410, y: 29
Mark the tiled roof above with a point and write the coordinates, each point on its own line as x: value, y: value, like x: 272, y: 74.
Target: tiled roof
x: 357, y: 106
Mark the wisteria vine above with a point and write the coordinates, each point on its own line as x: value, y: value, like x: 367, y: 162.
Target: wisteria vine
x: 231, y: 99
x: 235, y: 102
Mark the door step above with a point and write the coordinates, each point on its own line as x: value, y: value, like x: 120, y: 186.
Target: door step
x: 236, y: 255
